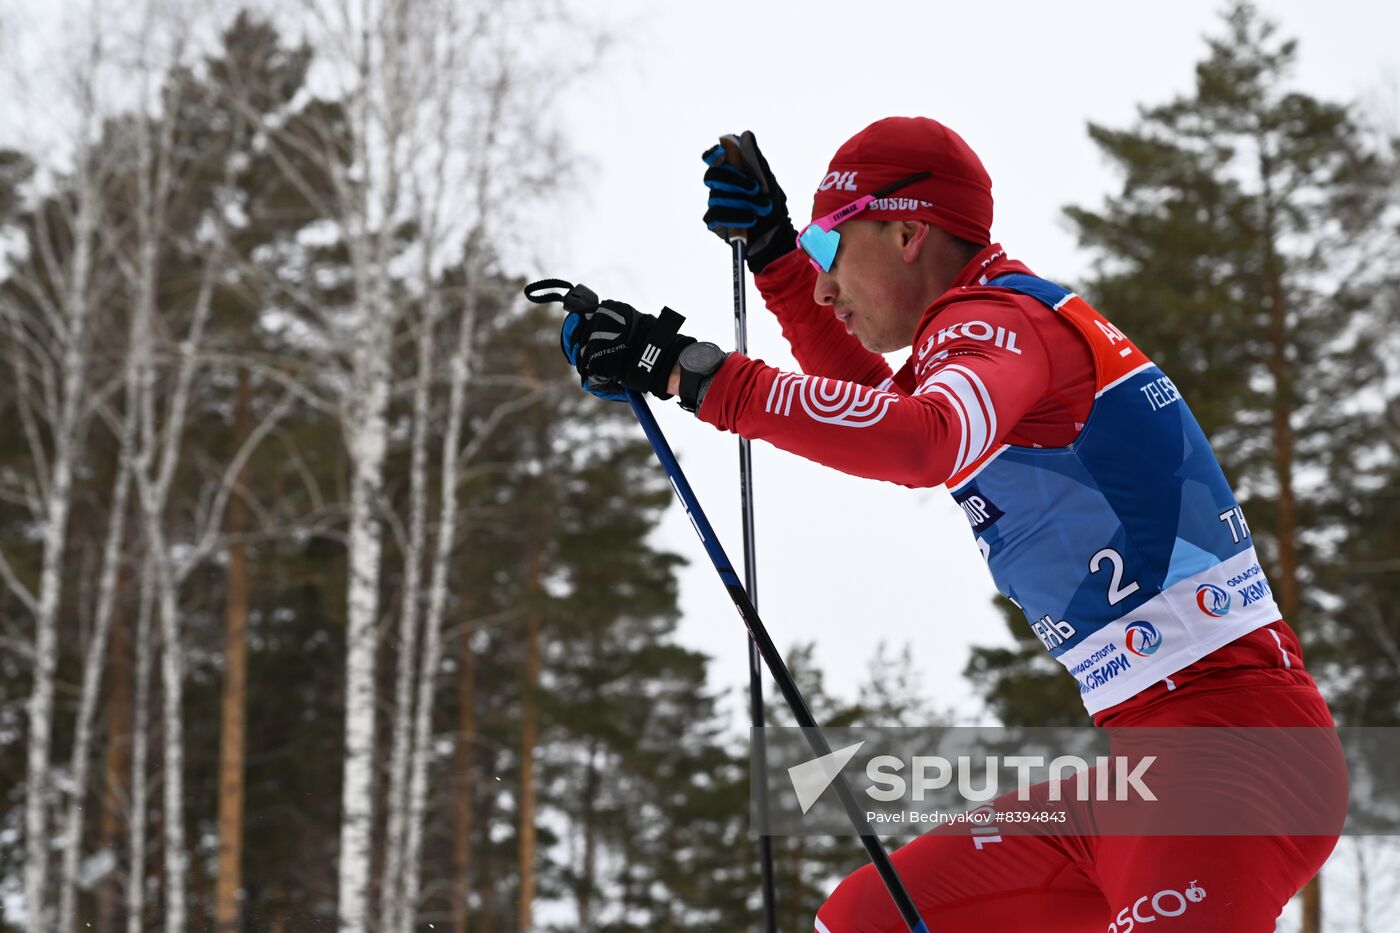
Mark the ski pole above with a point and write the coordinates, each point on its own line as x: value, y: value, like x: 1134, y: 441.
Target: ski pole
x: 816, y: 739
x: 738, y: 243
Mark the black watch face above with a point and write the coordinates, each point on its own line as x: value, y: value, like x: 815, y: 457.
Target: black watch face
x: 701, y: 357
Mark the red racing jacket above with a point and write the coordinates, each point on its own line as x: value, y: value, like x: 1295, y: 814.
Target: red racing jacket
x: 989, y: 367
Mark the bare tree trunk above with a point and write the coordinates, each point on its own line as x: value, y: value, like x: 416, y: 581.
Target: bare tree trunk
x: 1285, y: 576
x: 108, y: 593
x: 462, y: 791
x: 37, y: 791
x: 396, y: 910
x: 227, y: 898
x: 92, y: 681
x: 158, y: 452
x: 367, y: 447
x: 460, y: 366
x: 1286, y: 530
x: 590, y: 842
x: 403, y: 824
x: 116, y: 782
x: 67, y: 425
x: 140, y: 739
x: 369, y: 203
x: 172, y: 670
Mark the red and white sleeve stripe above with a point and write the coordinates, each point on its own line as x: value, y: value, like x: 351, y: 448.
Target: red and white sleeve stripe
x: 982, y: 368
x: 973, y: 406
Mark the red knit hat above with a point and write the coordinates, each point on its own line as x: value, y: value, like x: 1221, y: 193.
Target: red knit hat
x: 956, y: 198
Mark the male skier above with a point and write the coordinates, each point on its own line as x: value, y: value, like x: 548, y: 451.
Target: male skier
x: 1092, y: 494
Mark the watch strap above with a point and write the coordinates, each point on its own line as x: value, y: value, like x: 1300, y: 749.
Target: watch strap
x: 695, y: 383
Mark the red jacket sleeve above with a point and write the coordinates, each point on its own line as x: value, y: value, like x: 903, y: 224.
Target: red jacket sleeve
x: 979, y: 366
x: 819, y: 341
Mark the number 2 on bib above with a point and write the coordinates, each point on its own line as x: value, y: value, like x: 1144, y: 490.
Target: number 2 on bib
x: 1116, y: 591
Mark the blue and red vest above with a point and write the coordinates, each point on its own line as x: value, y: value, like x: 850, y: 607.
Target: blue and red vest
x: 1126, y: 550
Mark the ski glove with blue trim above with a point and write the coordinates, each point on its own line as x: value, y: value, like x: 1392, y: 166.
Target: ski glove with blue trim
x: 615, y: 347
x: 747, y: 198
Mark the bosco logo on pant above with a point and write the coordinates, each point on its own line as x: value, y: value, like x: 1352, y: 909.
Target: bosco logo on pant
x: 1165, y: 903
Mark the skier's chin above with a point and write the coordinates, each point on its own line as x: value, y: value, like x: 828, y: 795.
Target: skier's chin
x: 874, y: 344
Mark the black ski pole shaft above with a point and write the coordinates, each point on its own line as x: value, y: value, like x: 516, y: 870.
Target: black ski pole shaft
x: 816, y: 739
x: 756, y: 711
x: 738, y: 243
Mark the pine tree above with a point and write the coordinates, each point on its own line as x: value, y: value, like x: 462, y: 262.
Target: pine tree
x: 1360, y: 656
x: 1245, y: 253
x: 1248, y: 253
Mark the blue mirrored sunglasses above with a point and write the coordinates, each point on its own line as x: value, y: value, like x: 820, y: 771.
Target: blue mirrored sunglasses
x: 819, y: 239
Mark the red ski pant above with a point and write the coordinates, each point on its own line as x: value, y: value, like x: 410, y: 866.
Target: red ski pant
x: 964, y: 882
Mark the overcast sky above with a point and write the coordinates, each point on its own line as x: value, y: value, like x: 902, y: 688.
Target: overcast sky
x: 846, y: 562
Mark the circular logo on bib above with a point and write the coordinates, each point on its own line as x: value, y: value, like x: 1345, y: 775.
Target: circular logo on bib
x: 1142, y: 638
x: 1212, y: 600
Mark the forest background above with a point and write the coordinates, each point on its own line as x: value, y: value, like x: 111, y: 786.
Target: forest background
x: 327, y: 601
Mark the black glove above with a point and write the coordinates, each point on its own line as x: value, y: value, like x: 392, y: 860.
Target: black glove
x: 615, y: 347
x: 750, y: 200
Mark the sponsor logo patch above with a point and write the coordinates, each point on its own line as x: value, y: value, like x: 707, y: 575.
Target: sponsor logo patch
x: 1160, y: 393
x: 1052, y: 632
x: 1096, y: 677
x: 980, y: 511
x: 899, y: 204
x: 1212, y: 600
x: 1142, y: 638
x: 1152, y: 907
x: 972, y: 330
x: 841, y: 181
x: 1254, y: 592
x: 1239, y: 579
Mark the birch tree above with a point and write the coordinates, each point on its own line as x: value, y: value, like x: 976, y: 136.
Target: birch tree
x: 48, y: 310
x: 95, y: 658
x: 181, y: 197
x: 140, y: 747
x: 479, y: 63
x: 407, y: 86
x: 368, y: 71
x: 157, y: 454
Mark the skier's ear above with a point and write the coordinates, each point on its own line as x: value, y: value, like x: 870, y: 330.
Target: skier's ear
x: 913, y: 238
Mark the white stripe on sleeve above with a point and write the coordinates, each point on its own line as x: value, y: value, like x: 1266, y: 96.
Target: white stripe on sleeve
x: 973, y: 403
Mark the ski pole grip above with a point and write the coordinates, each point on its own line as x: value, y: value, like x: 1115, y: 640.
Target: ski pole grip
x: 732, y: 156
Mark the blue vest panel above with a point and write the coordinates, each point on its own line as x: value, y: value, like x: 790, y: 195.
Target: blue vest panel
x: 1127, y: 550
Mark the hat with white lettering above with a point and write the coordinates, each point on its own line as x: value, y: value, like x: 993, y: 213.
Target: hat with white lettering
x: 956, y: 197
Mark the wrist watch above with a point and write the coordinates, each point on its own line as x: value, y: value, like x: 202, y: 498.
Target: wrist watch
x: 699, y: 362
